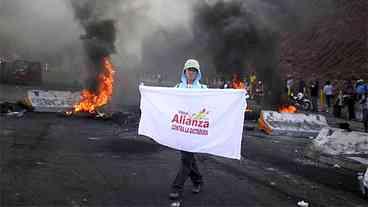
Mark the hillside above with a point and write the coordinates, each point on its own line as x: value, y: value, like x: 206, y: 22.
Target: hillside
x: 332, y: 47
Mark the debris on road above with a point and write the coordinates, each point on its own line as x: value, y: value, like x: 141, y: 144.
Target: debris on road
x: 94, y: 138
x: 175, y: 204
x: 13, y: 109
x: 365, y: 180
x: 363, y: 183
x: 336, y: 141
x: 16, y: 113
x: 337, y: 166
x: 52, y: 101
x: 303, y: 204
x: 40, y: 163
x: 291, y: 124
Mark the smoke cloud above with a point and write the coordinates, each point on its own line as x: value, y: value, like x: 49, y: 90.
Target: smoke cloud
x: 45, y: 31
x: 240, y: 38
x: 227, y: 36
x: 37, y: 28
x: 99, y: 37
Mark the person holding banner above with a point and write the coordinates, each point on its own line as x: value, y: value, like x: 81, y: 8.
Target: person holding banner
x: 190, y: 79
x: 193, y: 119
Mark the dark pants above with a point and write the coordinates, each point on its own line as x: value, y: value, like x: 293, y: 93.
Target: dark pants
x: 259, y: 99
x: 188, y: 168
x: 315, y: 103
x: 328, y: 100
x: 365, y: 119
x: 337, y: 110
x: 351, y: 108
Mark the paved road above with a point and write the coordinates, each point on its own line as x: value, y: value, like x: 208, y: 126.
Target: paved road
x: 50, y: 160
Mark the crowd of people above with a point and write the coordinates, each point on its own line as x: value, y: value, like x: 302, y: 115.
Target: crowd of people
x: 343, y: 98
x: 254, y: 87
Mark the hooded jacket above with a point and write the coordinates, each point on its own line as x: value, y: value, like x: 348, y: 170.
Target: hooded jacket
x: 361, y: 89
x: 196, y: 83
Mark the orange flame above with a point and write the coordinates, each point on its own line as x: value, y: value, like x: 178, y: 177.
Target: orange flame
x: 237, y: 85
x: 91, y: 101
x: 288, y: 109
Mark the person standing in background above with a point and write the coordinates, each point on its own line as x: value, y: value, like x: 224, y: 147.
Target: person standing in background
x: 364, y: 102
x: 252, y: 84
x: 328, y: 92
x: 349, y: 93
x: 314, y: 93
x: 289, y: 85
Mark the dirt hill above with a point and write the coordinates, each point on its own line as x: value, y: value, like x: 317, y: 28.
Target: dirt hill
x: 333, y: 47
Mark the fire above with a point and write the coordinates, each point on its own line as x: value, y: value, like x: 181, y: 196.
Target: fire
x: 237, y: 85
x: 288, y: 109
x: 90, y: 100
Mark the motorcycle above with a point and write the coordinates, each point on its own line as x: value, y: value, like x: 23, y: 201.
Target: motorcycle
x: 301, y: 102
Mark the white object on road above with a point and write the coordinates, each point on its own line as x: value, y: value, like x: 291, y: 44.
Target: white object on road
x: 363, y: 182
x: 336, y: 141
x: 175, y: 204
x: 94, y: 138
x: 337, y: 166
x: 52, y: 101
x: 16, y: 113
x: 196, y: 120
x: 365, y: 179
x: 303, y: 204
x: 291, y: 124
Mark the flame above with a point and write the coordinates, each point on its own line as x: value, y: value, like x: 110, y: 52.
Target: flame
x: 288, y: 109
x: 237, y: 85
x: 89, y: 100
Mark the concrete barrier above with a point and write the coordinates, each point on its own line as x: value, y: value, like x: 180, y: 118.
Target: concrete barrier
x: 291, y: 124
x: 336, y: 141
x: 52, y: 101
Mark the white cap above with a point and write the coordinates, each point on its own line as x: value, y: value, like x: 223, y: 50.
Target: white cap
x: 191, y: 63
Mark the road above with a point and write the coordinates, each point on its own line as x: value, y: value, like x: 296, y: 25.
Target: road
x: 52, y: 160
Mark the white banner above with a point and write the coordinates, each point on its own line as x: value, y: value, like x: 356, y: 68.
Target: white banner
x: 194, y: 120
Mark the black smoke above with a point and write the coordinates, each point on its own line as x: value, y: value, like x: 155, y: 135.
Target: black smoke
x: 99, y: 37
x: 239, y: 36
x: 152, y: 36
x: 237, y: 41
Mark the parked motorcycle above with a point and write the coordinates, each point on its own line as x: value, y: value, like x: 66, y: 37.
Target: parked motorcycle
x: 301, y: 102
